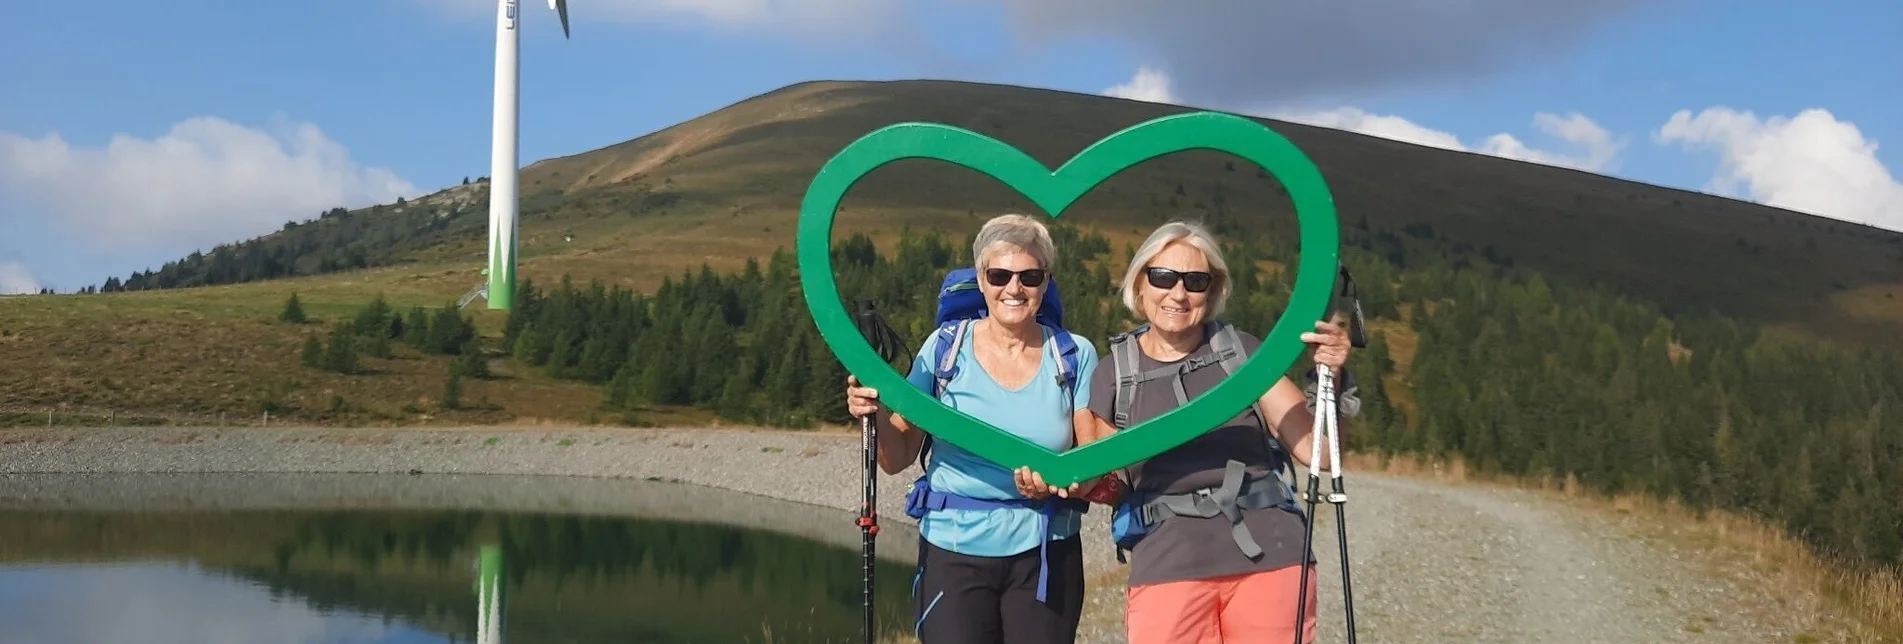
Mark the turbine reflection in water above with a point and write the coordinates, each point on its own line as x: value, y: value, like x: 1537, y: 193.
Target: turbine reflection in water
x: 489, y: 596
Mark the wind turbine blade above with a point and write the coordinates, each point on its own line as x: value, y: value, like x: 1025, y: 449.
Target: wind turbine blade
x: 561, y: 9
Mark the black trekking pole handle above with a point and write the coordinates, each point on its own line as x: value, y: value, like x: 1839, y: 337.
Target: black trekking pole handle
x: 1357, y: 326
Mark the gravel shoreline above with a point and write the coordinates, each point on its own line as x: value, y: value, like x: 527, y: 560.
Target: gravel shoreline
x: 1432, y: 561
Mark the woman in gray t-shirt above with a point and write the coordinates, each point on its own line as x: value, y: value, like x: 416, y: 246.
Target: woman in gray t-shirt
x: 1194, y: 578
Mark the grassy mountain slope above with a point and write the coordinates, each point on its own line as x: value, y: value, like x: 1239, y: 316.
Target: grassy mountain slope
x: 719, y: 189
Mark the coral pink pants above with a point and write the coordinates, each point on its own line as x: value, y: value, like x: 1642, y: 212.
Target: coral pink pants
x: 1242, y: 609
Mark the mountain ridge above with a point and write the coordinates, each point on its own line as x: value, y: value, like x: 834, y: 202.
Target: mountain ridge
x: 742, y: 168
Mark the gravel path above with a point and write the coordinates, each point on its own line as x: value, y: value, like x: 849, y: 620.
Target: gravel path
x: 1432, y: 562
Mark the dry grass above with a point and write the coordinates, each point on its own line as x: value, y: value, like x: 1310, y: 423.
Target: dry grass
x: 1872, y: 302
x: 1403, y: 344
x: 219, y: 355
x: 1874, y: 598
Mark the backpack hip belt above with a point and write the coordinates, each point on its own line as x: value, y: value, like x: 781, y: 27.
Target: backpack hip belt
x: 1227, y: 500
x: 923, y: 499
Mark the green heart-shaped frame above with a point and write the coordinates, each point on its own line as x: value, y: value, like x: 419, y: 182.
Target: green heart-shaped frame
x: 1053, y: 192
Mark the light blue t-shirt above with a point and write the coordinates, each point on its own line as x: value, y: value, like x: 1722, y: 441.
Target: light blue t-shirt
x: 1039, y: 412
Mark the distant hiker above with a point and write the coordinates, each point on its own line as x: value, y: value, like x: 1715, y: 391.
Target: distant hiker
x: 1200, y: 571
x: 998, y: 554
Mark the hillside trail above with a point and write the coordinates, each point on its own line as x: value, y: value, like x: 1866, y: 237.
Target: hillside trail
x: 1479, y: 564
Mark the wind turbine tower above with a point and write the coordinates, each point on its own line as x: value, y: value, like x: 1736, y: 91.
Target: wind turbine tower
x: 503, y: 168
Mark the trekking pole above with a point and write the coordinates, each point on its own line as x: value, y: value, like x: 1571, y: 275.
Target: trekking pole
x: 868, y: 513
x: 1328, y: 428
x: 1339, y: 496
x: 885, y: 341
x: 1315, y: 439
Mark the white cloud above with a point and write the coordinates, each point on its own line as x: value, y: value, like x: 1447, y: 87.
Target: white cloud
x: 16, y: 280
x: 1148, y: 85
x: 1597, y: 149
x: 1355, y: 119
x: 205, y: 181
x: 1812, y: 162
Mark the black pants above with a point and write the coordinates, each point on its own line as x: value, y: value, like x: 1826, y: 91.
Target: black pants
x: 962, y: 599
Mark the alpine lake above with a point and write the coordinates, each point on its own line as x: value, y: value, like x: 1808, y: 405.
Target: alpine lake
x: 364, y: 558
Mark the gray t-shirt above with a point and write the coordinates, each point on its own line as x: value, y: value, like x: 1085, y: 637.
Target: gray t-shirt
x: 1182, y: 548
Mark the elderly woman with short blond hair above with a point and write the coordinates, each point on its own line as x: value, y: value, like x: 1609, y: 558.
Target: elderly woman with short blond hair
x: 1201, y: 576
x: 999, y: 559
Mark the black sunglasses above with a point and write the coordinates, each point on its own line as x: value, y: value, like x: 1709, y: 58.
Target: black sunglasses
x: 1194, y: 281
x: 1030, y: 277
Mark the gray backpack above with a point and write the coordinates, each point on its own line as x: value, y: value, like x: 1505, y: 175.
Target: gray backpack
x: 1137, y: 515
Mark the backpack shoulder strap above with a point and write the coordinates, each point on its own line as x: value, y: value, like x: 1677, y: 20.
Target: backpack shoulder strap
x: 945, y: 354
x: 1123, y: 358
x: 950, y: 338
x: 1229, y: 352
x: 1227, y: 348
x: 1065, y: 350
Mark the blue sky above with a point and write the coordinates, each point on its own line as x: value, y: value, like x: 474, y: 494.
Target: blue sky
x: 135, y: 132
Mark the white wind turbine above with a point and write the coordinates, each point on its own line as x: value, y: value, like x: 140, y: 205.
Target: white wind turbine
x: 503, y: 169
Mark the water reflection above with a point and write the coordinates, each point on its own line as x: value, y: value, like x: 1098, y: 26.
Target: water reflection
x: 422, y: 575
x: 489, y: 597
x: 171, y: 602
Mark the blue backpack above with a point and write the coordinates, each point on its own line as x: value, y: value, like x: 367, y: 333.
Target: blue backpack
x: 959, y: 304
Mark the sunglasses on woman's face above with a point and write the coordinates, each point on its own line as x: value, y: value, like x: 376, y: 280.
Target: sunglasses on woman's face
x: 1193, y: 281
x: 1030, y: 277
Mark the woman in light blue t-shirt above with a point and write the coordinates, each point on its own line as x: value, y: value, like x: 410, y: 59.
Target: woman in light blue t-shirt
x: 999, y: 553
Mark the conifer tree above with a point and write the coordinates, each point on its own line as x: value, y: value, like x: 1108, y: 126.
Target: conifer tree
x: 470, y: 362
x: 416, y: 331
x: 293, y: 311
x: 620, y: 393
x: 313, y: 352
x: 373, y: 320
x: 562, y: 355
x: 599, y: 359
x: 375, y: 344
x: 341, y: 355
x: 449, y: 330
x: 735, y: 402
x: 453, y: 389
x: 529, y: 349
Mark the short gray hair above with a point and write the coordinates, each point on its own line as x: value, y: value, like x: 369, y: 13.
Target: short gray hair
x: 1017, y: 230
x: 1197, y: 237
